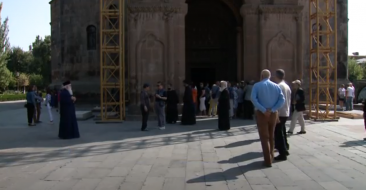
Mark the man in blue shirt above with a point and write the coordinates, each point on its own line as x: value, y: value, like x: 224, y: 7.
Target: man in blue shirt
x: 267, y: 98
x: 160, y: 98
x: 215, y: 92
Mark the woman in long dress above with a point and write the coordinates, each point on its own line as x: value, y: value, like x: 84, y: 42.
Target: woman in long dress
x: 223, y: 107
x: 171, y: 105
x: 188, y: 113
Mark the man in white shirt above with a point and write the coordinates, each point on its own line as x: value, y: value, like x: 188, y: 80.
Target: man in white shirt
x: 350, y: 94
x: 281, y: 143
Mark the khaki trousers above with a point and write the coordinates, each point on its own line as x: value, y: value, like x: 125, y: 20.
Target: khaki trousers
x: 266, y: 128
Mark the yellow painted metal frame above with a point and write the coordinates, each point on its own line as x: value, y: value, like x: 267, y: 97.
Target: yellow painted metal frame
x: 323, y: 59
x: 112, y: 60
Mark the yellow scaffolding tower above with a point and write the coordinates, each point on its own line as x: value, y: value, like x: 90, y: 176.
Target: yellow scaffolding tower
x: 112, y: 60
x: 323, y: 59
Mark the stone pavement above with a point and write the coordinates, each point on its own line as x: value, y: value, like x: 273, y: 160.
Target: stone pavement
x: 331, y: 156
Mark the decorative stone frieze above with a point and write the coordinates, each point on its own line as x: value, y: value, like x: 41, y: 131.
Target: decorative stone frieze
x: 282, y: 9
x: 248, y: 10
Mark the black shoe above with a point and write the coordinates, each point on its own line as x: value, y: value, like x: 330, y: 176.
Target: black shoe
x: 280, y: 158
x: 267, y: 165
x: 290, y: 132
x: 144, y: 130
x: 288, y: 147
x: 301, y: 132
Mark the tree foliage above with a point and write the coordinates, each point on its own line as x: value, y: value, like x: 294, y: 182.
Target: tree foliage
x: 37, y: 80
x: 23, y: 80
x: 5, y: 74
x: 355, y: 70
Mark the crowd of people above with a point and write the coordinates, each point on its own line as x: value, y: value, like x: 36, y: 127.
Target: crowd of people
x: 63, y: 99
x: 269, y: 102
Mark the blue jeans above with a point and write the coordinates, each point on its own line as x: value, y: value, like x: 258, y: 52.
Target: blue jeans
x: 349, y: 103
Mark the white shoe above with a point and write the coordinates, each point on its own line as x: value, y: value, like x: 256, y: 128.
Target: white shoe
x: 162, y: 128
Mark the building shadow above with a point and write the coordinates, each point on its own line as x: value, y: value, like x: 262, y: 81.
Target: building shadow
x: 229, y: 174
x: 101, y: 140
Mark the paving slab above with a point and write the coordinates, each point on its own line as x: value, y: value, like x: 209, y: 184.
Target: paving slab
x: 331, y: 156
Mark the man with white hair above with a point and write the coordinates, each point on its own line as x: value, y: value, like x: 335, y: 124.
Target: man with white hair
x: 267, y: 98
x: 68, y: 128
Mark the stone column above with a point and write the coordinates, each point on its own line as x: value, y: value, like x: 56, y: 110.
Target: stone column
x: 299, y: 66
x: 240, y: 65
x: 262, y: 46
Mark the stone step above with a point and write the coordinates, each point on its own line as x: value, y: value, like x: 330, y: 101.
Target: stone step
x: 83, y: 115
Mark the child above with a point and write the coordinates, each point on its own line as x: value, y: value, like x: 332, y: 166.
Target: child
x: 48, y: 104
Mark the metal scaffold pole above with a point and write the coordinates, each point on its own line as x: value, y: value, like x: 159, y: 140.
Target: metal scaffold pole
x: 112, y: 60
x: 323, y: 60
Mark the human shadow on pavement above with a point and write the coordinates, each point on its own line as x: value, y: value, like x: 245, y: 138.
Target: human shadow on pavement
x: 229, y: 174
x: 239, y: 143
x: 241, y: 158
x: 353, y: 143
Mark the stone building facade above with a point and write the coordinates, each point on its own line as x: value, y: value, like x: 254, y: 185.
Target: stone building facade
x: 200, y: 40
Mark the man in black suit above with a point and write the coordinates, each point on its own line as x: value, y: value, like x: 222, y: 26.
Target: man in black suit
x: 298, y: 102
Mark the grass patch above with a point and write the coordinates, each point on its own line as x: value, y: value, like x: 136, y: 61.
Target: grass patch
x: 12, y: 97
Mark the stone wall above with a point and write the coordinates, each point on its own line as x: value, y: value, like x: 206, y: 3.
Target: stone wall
x: 72, y: 59
x: 274, y: 35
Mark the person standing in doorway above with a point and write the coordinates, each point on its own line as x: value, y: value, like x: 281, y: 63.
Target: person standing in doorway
x: 194, y: 97
x: 248, y: 105
x: 223, y: 107
x: 215, y: 91
x: 342, y: 96
x: 281, y: 143
x: 160, y: 98
x: 172, y: 105
x: 350, y: 94
x: 202, y: 96
x: 188, y: 112
x: 48, y: 104
x: 231, y: 95
x: 31, y: 106
x: 239, y: 112
x: 208, y: 97
x: 267, y: 98
x: 298, y: 102
x: 145, y: 105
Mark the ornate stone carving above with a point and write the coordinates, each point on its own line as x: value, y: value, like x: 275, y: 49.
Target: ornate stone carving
x: 248, y: 10
x: 150, y: 59
x: 152, y: 9
x: 145, y: 12
x: 281, y: 54
x: 282, y: 9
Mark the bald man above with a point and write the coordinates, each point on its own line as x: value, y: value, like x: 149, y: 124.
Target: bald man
x: 267, y: 99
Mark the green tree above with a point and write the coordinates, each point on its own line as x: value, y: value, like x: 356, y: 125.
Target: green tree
x: 23, y: 80
x: 42, y: 58
x: 5, y: 74
x: 37, y: 80
x: 20, y: 61
x: 355, y: 70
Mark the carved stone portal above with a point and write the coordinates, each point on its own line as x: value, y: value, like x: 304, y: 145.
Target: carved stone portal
x: 150, y: 60
x: 281, y: 54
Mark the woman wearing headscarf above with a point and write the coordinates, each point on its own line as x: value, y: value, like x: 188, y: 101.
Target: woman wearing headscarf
x: 223, y: 107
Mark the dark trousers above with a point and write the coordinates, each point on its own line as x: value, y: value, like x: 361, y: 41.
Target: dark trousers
x: 239, y: 110
x: 30, y: 112
x: 145, y: 116
x: 281, y: 143
x: 37, y: 116
x: 248, y: 109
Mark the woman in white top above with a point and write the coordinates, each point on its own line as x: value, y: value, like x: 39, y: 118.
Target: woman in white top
x: 341, y: 96
x: 48, y: 104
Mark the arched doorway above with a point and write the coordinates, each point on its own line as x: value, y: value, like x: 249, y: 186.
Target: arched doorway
x: 211, y: 41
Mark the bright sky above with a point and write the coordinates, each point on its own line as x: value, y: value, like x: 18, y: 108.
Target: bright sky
x: 29, y: 18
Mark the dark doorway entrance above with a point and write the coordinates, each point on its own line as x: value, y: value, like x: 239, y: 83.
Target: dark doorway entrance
x: 211, y: 44
x: 205, y: 75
